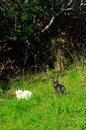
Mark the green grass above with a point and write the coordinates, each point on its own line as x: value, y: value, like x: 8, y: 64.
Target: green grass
x: 45, y: 110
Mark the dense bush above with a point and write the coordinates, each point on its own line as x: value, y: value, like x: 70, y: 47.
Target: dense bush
x: 32, y: 32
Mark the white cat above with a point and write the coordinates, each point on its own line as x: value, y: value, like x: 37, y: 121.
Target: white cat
x: 20, y: 94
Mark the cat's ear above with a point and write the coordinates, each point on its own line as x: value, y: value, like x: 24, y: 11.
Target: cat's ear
x: 20, y: 89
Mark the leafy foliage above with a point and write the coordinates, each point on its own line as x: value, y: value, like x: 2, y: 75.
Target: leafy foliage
x: 28, y: 28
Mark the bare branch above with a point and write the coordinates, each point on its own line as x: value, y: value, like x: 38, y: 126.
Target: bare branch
x: 62, y: 10
x: 51, y: 21
x: 83, y: 2
x: 69, y: 3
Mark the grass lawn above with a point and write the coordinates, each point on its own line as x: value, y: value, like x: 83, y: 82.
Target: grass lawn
x: 45, y: 110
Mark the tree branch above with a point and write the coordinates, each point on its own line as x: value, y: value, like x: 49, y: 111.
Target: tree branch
x: 50, y: 23
x: 53, y: 17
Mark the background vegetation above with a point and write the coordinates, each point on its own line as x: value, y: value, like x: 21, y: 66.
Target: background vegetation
x: 40, y: 40
x: 38, y: 33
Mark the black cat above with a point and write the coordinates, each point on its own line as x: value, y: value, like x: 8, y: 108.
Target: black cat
x: 59, y: 88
